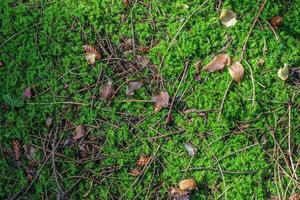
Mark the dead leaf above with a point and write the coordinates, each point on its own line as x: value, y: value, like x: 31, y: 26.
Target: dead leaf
x: 217, y: 63
x: 135, y: 172
x: 91, y: 54
x: 197, y: 66
x: 133, y: 86
x: 143, y: 160
x: 228, y: 18
x: 79, y: 132
x: 16, y: 148
x: 107, y: 91
x: 295, y: 75
x: 142, y: 61
x: 27, y: 93
x: 283, y: 73
x: 187, y: 184
x: 236, y: 71
x: 276, y: 21
x: 49, y: 121
x: 190, y: 149
x: 126, y: 2
x: 161, y: 101
x: 144, y: 49
x: 178, y: 194
x: 1, y: 64
x: 295, y: 196
x: 29, y: 151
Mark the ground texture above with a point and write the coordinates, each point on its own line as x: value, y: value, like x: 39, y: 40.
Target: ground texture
x: 243, y: 149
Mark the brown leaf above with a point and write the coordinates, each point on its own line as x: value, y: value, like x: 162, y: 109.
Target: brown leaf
x: 142, y: 61
x: 79, y: 132
x: 91, y: 54
x: 49, y: 121
x: 133, y: 86
x: 276, y: 21
x: 16, y: 148
x: 217, y: 63
x: 187, y: 184
x: 29, y: 151
x: 27, y: 93
x: 126, y: 2
x: 107, y: 91
x: 135, y: 172
x: 178, y: 194
x: 143, y: 160
x: 295, y: 196
x: 236, y: 71
x: 1, y: 64
x: 161, y: 101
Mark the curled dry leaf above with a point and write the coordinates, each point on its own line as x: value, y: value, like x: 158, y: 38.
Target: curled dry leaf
x: 133, y: 86
x: 161, y: 101
x: 283, y: 73
x: 27, y: 93
x: 79, y: 132
x: 91, y: 54
x: 276, y: 21
x: 236, y: 71
x: 217, y: 63
x: 16, y: 148
x: 190, y: 149
x: 143, y: 160
x: 188, y: 184
x: 228, y: 18
x: 29, y: 151
x: 49, y: 121
x: 135, y: 172
x: 107, y: 91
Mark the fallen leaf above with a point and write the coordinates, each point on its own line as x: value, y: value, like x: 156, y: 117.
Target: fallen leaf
x: 144, y: 49
x: 295, y: 75
x: 161, y: 101
x: 178, y: 194
x: 276, y: 21
x: 190, y: 149
x: 135, y: 172
x: 27, y: 93
x: 236, y: 71
x: 1, y: 64
x: 126, y: 2
x: 283, y: 73
x: 49, y: 121
x: 83, y: 153
x: 143, y: 160
x: 217, y: 63
x: 79, y: 132
x: 197, y: 66
x: 91, y: 54
x: 142, y: 61
x: 133, y: 86
x: 228, y: 18
x: 295, y: 196
x: 29, y: 151
x: 107, y: 91
x: 187, y: 184
x: 16, y: 148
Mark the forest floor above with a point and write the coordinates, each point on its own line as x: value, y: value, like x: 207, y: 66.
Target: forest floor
x: 107, y: 99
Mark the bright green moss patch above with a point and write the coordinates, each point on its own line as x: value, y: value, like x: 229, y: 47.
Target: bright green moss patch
x: 41, y: 48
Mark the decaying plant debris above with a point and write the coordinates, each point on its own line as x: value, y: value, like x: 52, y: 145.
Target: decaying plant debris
x: 149, y: 100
